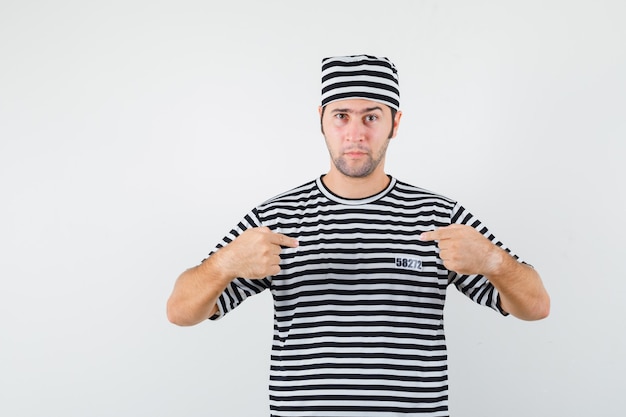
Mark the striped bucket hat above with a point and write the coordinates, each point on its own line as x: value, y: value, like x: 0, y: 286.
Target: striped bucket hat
x: 360, y: 76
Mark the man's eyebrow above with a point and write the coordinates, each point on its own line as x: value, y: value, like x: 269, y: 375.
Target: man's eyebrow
x: 367, y: 110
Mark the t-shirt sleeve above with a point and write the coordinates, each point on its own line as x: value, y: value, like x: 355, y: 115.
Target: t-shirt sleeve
x: 240, y: 288
x: 477, y: 287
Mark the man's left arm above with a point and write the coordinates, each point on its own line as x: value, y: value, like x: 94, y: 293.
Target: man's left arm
x: 466, y: 251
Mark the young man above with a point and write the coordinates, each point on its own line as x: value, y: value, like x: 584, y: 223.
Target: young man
x: 358, y: 264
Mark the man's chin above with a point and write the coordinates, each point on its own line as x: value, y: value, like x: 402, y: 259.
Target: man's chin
x: 356, y: 172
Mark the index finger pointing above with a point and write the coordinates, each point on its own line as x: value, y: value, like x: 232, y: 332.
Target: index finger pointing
x: 430, y: 236
x: 284, y: 240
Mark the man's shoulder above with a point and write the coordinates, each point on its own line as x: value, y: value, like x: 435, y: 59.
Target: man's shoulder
x: 408, y: 191
x: 300, y: 193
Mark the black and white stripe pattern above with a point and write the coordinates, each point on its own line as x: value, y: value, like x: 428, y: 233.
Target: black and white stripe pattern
x: 358, y: 327
x: 360, y: 76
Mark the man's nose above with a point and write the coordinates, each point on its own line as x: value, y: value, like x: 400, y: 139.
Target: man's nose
x: 355, y: 131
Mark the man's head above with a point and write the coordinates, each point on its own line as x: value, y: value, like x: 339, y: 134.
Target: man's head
x: 359, y: 112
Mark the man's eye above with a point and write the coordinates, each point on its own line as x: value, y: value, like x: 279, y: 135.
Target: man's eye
x: 340, y: 116
x: 371, y: 117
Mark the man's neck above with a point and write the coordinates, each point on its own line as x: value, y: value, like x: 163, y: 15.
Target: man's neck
x: 355, y: 188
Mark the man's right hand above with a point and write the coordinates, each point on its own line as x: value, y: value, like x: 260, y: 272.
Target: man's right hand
x: 254, y: 254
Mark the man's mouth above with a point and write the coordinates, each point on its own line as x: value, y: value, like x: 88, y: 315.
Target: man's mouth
x: 355, y: 153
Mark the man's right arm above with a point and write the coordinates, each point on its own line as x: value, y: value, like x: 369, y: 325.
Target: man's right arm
x: 255, y: 254
x: 195, y: 294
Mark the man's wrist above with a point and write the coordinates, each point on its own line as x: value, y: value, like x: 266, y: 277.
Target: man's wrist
x: 497, y: 262
x: 218, y: 267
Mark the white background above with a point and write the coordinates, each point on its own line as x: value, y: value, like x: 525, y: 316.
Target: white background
x: 134, y: 134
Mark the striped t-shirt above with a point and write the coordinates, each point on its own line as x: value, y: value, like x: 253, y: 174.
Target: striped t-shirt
x: 358, y: 324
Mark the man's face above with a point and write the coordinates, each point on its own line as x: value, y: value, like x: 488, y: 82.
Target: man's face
x: 357, y: 133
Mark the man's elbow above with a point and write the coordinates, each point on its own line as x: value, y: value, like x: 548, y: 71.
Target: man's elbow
x: 543, y: 311
x: 176, y: 315
x: 540, y: 311
x: 182, y: 313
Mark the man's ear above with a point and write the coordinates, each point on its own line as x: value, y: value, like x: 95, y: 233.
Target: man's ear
x: 396, y: 124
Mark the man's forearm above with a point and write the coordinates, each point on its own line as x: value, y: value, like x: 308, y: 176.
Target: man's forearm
x: 521, y: 291
x: 195, y: 293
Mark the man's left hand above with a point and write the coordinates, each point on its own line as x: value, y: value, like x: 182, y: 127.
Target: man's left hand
x: 464, y: 250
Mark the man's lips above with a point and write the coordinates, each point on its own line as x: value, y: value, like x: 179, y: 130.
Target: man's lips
x: 354, y: 153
